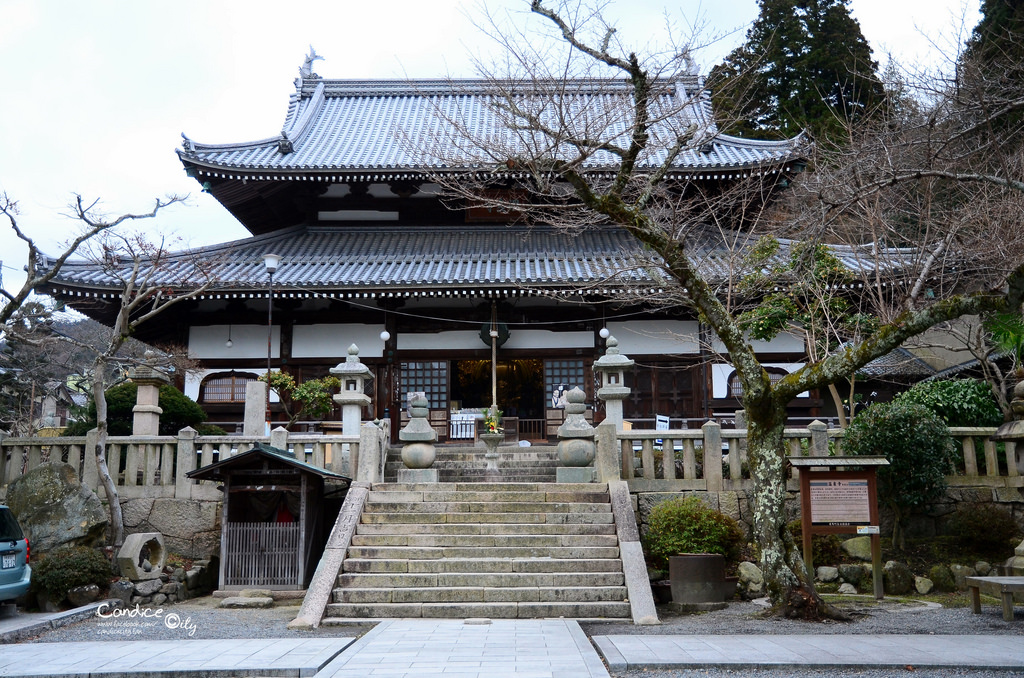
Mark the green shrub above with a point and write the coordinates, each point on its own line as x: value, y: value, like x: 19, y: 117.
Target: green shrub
x: 179, y: 411
x: 919, y: 449
x: 68, y: 567
x: 826, y: 549
x: 958, y: 402
x: 984, y: 528
x: 688, y: 525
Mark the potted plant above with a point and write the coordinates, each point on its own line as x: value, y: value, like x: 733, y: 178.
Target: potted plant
x: 695, y: 542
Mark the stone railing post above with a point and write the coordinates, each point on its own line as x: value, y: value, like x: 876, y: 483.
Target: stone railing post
x: 90, y: 472
x: 147, y: 411
x: 279, y: 439
x: 186, y: 461
x: 713, y: 456
x: 819, y: 438
x: 367, y: 461
x: 607, y: 461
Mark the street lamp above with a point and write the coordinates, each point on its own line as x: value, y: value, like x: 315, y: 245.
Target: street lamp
x: 270, y: 262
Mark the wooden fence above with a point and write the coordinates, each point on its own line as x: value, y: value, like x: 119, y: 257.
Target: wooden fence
x: 715, y: 459
x: 261, y: 554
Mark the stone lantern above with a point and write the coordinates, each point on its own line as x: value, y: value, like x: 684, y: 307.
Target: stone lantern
x: 353, y: 376
x: 1013, y: 432
x: 147, y: 410
x: 612, y: 367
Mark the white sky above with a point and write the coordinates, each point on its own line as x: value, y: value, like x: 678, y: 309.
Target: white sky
x: 97, y: 93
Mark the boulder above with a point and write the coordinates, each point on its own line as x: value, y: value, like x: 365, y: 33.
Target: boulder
x: 923, y: 585
x: 148, y: 587
x: 859, y: 548
x: 243, y: 602
x: 55, y: 509
x: 122, y: 590
x: 852, y: 573
x: 159, y: 599
x: 982, y: 568
x: 847, y: 589
x: 751, y: 580
x: 960, y: 575
x: 83, y: 595
x: 898, y: 578
x: 827, y: 574
x: 942, y: 578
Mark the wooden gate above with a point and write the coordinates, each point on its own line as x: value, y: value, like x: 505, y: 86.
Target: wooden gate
x: 261, y: 554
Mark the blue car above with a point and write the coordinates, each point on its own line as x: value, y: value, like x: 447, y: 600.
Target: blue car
x: 15, y: 572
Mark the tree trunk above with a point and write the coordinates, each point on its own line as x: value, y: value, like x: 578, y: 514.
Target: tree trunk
x: 791, y: 591
x: 109, y: 487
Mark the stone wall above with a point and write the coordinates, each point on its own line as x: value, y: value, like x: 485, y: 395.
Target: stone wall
x: 190, y: 527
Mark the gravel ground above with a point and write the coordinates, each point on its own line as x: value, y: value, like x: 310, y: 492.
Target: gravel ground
x: 201, y: 618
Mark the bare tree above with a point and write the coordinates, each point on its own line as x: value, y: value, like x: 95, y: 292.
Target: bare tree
x: 150, y: 279
x: 592, y: 135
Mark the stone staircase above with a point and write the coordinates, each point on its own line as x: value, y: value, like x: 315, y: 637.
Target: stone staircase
x: 466, y: 463
x: 508, y: 550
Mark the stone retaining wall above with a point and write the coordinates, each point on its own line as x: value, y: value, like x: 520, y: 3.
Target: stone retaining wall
x: 190, y: 527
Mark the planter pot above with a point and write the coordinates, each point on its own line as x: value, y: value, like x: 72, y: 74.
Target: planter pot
x: 729, y: 588
x: 697, y: 578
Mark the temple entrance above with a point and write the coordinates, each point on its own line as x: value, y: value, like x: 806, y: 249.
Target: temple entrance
x: 520, y: 386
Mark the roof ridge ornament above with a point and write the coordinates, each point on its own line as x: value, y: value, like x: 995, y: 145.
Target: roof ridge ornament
x: 306, y: 69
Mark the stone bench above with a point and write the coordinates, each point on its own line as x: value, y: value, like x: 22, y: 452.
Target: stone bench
x: 1004, y: 587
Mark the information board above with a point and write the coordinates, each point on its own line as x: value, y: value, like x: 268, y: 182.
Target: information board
x: 840, y: 502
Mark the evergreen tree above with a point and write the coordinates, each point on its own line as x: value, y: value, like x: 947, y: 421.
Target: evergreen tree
x: 805, y: 65
x: 991, y: 70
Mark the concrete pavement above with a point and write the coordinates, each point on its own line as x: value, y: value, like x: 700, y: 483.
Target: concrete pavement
x: 520, y: 648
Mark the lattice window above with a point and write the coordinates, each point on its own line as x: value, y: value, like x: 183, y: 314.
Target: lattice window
x: 429, y: 377
x: 775, y: 375
x: 560, y: 377
x: 225, y: 388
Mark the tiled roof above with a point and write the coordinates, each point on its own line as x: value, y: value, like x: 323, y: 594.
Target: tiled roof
x: 897, y: 363
x: 376, y: 259
x: 351, y: 126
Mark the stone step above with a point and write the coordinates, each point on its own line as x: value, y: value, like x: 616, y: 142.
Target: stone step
x: 484, y: 507
x: 483, y: 517
x: 498, y: 487
x: 488, y: 540
x: 337, y: 612
x: 470, y: 594
x: 384, y: 580
x: 488, y: 496
x: 482, y: 565
x: 483, y: 528
x: 434, y: 552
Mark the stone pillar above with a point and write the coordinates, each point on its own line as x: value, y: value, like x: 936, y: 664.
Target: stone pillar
x: 255, y: 423
x: 353, y: 376
x: 146, y: 421
x: 612, y: 368
x: 418, y: 451
x: 576, y: 448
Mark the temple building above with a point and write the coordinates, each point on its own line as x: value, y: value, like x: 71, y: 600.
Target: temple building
x: 373, y: 253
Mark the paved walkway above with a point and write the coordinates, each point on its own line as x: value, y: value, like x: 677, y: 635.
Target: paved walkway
x: 523, y: 648
x: 550, y: 648
x: 801, y: 651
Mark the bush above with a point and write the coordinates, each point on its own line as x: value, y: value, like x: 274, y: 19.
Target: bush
x: 919, y: 449
x: 985, y: 528
x: 179, y: 411
x: 958, y: 402
x: 826, y: 549
x: 68, y: 567
x: 688, y: 525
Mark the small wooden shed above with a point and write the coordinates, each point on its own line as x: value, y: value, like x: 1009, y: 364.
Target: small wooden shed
x: 273, y: 519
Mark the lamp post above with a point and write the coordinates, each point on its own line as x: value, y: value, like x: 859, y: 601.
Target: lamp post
x: 270, y: 262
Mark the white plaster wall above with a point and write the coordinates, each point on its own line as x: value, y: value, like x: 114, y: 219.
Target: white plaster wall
x: 333, y: 340
x: 720, y: 377
x: 459, y: 339
x: 548, y: 339
x: 645, y: 337
x: 783, y: 343
x: 247, y: 341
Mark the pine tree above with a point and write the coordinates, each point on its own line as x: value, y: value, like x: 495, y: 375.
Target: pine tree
x: 805, y: 65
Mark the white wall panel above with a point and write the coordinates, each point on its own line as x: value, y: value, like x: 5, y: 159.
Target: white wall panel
x: 647, y: 337
x: 247, y: 341
x: 333, y: 340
